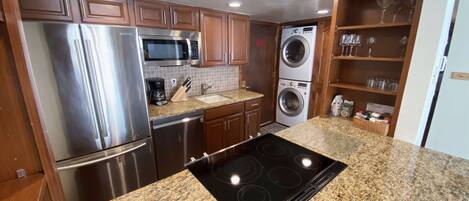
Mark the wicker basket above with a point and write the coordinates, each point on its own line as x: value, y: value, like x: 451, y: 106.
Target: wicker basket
x: 375, y: 127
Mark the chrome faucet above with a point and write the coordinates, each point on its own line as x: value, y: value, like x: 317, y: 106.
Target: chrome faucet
x: 205, y: 88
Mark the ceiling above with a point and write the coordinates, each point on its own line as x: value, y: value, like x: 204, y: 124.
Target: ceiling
x: 277, y: 11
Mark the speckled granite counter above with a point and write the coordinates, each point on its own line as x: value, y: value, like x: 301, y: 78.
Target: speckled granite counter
x: 171, y: 109
x: 380, y: 168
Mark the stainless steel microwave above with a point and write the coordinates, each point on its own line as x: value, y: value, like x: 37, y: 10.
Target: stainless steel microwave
x: 161, y: 47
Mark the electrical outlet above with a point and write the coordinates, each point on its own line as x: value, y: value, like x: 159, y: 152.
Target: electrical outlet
x: 173, y: 82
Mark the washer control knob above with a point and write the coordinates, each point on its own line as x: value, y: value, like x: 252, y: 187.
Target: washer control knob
x: 296, y: 31
x: 291, y: 83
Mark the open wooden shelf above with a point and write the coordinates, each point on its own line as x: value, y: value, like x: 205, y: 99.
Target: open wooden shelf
x: 374, y: 26
x: 29, y: 188
x: 358, y: 87
x: 357, y: 58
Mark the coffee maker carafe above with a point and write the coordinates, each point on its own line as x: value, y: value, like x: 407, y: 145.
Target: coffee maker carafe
x: 156, y: 91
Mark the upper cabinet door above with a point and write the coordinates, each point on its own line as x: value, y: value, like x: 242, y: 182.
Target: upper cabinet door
x: 151, y: 14
x: 213, y: 28
x: 46, y: 10
x: 185, y: 18
x: 105, y: 11
x: 238, y: 39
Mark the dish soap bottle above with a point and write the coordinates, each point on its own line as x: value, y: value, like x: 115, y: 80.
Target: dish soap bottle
x: 336, y: 104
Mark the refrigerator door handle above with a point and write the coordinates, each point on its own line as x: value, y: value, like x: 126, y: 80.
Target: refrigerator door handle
x: 90, y: 162
x: 84, y: 75
x: 99, y: 111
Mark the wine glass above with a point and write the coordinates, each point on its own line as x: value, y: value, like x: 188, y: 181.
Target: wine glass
x: 342, y: 43
x: 350, y: 44
x: 398, y: 6
x: 403, y: 44
x: 370, y: 42
x: 411, y: 5
x: 357, y: 43
x: 383, y: 5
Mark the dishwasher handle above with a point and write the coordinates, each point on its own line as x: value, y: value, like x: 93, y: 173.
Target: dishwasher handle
x: 184, y: 120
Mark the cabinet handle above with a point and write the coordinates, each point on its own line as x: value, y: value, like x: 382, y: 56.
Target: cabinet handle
x: 224, y: 125
x: 229, y: 126
x: 255, y: 104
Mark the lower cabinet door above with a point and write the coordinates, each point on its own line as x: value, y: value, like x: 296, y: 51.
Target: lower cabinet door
x: 235, y: 129
x: 253, y: 120
x: 214, y: 132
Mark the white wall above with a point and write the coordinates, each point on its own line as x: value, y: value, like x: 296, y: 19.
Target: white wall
x: 429, y: 47
x: 449, y: 131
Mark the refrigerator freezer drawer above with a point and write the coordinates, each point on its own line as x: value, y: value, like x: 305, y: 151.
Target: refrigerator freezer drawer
x: 108, y: 174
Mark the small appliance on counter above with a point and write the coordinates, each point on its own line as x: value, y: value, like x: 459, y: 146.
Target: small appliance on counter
x: 265, y: 168
x: 157, y: 93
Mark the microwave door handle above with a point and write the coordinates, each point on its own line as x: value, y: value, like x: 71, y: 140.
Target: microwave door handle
x: 189, y: 49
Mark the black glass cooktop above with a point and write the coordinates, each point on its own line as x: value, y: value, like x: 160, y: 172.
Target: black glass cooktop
x: 265, y: 168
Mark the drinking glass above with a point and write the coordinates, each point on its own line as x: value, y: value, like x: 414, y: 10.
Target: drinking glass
x: 351, y: 43
x: 398, y: 6
x: 403, y: 44
x: 371, y: 82
x: 342, y: 43
x: 383, y: 5
x: 357, y: 43
x: 411, y: 5
x: 393, y: 85
x: 370, y: 42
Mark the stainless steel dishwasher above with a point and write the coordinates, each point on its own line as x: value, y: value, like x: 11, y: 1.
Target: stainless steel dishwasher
x: 176, y: 140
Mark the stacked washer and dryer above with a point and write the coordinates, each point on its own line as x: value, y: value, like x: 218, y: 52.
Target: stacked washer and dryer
x: 295, y: 73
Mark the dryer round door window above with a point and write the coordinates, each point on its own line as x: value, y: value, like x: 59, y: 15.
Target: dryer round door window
x: 291, y: 102
x: 295, y: 51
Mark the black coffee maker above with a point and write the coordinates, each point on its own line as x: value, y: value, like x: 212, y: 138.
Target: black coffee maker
x: 156, y: 91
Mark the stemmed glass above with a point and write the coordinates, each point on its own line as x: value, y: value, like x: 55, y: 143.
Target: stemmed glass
x: 383, y: 5
x: 397, y: 9
x: 370, y: 42
x: 403, y: 45
x: 351, y: 43
x: 358, y: 43
x: 343, y: 43
x: 411, y: 5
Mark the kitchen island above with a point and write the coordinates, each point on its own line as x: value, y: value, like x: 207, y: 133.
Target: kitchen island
x: 379, y: 168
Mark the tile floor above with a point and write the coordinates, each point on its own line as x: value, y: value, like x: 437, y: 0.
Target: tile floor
x: 272, y: 128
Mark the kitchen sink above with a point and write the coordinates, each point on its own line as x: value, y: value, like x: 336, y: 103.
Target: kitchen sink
x: 209, y: 99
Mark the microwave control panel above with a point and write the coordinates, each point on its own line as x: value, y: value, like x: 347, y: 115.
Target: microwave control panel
x: 195, y: 50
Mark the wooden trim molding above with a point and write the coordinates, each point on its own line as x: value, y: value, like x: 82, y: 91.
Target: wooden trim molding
x: 20, y: 57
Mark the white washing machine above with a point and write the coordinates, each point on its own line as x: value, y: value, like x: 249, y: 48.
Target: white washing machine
x: 297, y: 53
x: 292, y: 102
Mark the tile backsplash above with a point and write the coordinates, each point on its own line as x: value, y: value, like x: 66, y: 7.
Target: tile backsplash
x: 222, y: 78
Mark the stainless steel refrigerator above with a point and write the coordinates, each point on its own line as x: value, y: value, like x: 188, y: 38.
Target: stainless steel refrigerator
x: 91, y: 96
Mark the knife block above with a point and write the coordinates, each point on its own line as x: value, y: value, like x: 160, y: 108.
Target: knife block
x: 180, y: 95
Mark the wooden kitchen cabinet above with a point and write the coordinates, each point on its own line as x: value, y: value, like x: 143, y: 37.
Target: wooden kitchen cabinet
x: 234, y: 129
x: 231, y: 124
x: 152, y: 14
x: 253, y: 122
x: 105, y: 11
x: 238, y: 39
x: 224, y: 126
x: 59, y: 10
x: 214, y: 132
x: 320, y: 61
x: 184, y: 17
x: 252, y: 117
x: 214, y: 37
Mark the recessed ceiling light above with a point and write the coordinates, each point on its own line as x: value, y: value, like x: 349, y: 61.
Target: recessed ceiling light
x: 323, y: 11
x: 234, y: 4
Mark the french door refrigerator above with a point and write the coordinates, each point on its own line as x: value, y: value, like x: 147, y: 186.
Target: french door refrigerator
x: 91, y: 95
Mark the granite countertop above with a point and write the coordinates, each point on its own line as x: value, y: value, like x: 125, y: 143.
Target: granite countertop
x: 172, y: 109
x: 379, y: 168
